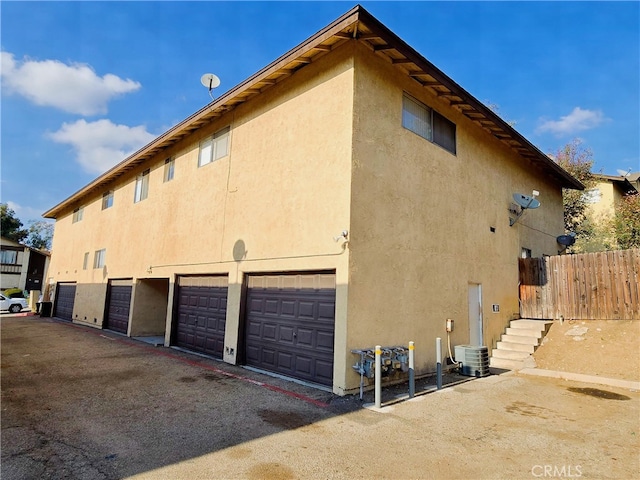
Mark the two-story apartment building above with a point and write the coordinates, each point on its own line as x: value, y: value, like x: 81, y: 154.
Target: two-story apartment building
x: 21, y: 266
x: 346, y: 195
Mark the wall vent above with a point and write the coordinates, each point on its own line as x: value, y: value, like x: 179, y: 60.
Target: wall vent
x: 474, y: 360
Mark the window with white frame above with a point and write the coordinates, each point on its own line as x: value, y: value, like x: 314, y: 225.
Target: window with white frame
x: 99, y: 258
x: 77, y: 214
x: 85, y: 261
x: 169, y: 169
x: 107, y: 200
x: 428, y: 123
x: 142, y: 187
x: 214, y: 147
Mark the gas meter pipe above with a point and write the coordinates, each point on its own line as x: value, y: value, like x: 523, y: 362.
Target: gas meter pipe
x: 412, y: 376
x: 378, y: 380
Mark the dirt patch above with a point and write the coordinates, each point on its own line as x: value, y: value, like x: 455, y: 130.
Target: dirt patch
x: 604, y: 348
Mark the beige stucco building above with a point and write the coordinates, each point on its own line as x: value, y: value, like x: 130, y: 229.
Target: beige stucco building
x: 348, y: 194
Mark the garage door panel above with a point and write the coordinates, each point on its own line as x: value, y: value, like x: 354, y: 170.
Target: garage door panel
x: 324, y: 370
x: 290, y: 330
x: 118, y: 306
x: 65, y: 299
x: 285, y: 360
x: 324, y: 340
x: 201, y: 314
x: 305, y: 337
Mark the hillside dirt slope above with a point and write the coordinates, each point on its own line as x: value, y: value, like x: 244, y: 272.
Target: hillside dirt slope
x: 607, y: 348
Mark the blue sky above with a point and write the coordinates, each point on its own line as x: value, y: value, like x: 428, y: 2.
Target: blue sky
x: 84, y: 84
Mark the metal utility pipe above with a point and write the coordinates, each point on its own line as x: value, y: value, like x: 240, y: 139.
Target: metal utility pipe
x: 378, y: 376
x: 439, y: 363
x: 412, y: 375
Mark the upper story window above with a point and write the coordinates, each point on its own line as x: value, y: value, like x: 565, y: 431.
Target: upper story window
x: 107, y: 200
x: 85, y: 261
x: 428, y: 123
x: 142, y: 187
x: 99, y: 258
x: 214, y: 147
x: 77, y: 214
x: 169, y: 169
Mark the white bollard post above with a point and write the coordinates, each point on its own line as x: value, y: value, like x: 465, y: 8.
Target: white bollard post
x: 439, y: 363
x: 378, y: 376
x: 412, y: 375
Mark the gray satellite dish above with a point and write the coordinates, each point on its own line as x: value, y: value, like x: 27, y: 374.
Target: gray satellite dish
x: 210, y: 81
x: 526, y: 201
x: 566, y: 240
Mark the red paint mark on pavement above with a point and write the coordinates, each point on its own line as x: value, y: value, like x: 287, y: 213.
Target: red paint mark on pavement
x: 194, y: 363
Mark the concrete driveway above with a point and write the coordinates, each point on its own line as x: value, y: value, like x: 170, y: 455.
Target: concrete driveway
x: 86, y: 404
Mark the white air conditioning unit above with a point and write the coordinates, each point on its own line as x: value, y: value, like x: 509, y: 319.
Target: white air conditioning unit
x: 473, y: 360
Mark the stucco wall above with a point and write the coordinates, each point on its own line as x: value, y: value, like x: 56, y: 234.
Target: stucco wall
x: 421, y: 220
x: 273, y: 204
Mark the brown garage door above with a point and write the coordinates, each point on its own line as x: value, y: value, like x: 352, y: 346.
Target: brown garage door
x: 201, y: 314
x: 65, y: 298
x: 290, y: 323
x: 118, y: 305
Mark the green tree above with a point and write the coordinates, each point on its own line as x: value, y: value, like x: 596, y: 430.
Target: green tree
x: 626, y: 222
x: 10, y: 225
x: 40, y: 235
x: 578, y: 161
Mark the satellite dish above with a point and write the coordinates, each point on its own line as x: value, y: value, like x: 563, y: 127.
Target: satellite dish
x: 210, y: 81
x: 566, y: 240
x: 526, y: 201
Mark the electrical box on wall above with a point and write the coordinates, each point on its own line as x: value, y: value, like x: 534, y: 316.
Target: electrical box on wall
x: 449, y: 325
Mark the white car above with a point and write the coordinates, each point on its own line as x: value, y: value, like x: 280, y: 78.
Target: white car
x: 14, y: 305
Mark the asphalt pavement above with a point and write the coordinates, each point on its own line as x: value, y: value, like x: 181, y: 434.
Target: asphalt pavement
x: 81, y: 403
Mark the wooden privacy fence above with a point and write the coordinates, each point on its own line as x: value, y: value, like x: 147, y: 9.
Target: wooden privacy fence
x: 588, y: 286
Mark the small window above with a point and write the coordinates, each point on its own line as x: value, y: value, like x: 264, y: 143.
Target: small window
x: 8, y: 257
x: 416, y: 117
x: 444, y: 132
x: 99, y: 258
x: 107, y: 200
x: 214, y: 147
x: 428, y: 123
x: 169, y: 168
x: 525, y: 253
x: 77, y: 214
x: 142, y: 187
x: 85, y: 261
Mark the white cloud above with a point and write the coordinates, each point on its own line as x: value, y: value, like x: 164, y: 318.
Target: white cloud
x: 578, y: 120
x: 25, y: 213
x: 74, y: 88
x: 101, y: 144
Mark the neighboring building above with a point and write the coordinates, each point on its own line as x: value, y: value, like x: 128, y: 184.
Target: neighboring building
x: 608, y: 191
x: 603, y: 199
x: 348, y: 194
x: 21, y: 267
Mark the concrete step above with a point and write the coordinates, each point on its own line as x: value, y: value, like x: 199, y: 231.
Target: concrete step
x: 507, y: 364
x: 518, y: 347
x: 541, y: 325
x: 509, y: 354
x: 524, y: 332
x: 520, y: 339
